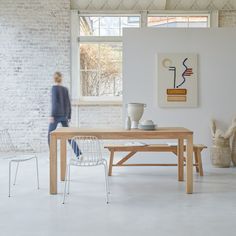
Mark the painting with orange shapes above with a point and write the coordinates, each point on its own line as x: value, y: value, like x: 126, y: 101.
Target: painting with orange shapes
x: 177, y: 80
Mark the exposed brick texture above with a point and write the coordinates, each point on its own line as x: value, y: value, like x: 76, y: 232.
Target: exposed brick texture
x: 227, y: 18
x: 97, y: 116
x: 34, y: 43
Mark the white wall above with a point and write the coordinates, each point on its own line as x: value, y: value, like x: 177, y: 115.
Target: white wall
x: 217, y: 75
x: 34, y: 43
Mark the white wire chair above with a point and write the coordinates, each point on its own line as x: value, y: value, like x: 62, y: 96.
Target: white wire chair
x: 10, y: 152
x: 91, y: 155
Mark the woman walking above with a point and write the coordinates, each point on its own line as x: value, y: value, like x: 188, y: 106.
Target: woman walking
x: 60, y: 109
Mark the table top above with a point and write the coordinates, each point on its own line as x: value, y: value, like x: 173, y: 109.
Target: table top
x: 162, y: 132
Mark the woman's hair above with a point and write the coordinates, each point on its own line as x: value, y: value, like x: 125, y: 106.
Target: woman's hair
x: 57, y: 77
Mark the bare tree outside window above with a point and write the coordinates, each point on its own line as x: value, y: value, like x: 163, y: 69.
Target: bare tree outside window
x: 100, y: 69
x: 101, y: 62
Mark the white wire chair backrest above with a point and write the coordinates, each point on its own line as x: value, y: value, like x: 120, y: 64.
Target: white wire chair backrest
x: 6, y: 143
x: 90, y: 148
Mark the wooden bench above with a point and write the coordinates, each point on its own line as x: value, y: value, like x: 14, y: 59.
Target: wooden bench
x: 197, y: 149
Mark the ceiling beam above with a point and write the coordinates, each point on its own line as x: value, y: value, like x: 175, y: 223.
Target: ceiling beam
x: 152, y: 5
x: 161, y: 4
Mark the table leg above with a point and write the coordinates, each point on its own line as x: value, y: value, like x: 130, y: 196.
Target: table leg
x: 111, y: 163
x: 63, y: 159
x: 180, y: 159
x: 53, y: 164
x: 189, y: 165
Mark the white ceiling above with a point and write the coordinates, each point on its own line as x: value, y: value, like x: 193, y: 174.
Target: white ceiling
x: 153, y: 4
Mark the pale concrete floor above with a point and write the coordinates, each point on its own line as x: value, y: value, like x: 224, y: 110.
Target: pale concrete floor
x: 144, y: 201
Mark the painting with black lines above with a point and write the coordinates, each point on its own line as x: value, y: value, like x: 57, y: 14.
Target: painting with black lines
x: 177, y: 80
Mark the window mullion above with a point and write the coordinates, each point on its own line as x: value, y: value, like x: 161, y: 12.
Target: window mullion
x: 99, y: 26
x: 88, y: 39
x: 99, y: 64
x: 108, y: 89
x: 157, y: 23
x: 143, y: 19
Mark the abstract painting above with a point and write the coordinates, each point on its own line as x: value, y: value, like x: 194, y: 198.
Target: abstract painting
x: 177, y: 80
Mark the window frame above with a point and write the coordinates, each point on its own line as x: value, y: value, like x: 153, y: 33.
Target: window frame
x: 178, y: 14
x: 101, y: 39
x: 143, y: 23
x: 98, y: 98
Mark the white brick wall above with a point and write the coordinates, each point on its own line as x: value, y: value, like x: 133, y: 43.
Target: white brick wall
x: 34, y: 42
x: 100, y: 116
x: 227, y: 18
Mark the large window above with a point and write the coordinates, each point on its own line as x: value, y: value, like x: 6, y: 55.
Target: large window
x: 100, y: 47
x: 181, y: 21
x: 101, y: 55
x: 106, y: 25
x: 101, y: 69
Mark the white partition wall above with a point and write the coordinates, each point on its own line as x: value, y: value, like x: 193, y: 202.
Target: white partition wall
x: 216, y: 50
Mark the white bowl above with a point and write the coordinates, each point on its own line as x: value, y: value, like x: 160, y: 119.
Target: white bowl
x: 147, y: 127
x: 147, y: 122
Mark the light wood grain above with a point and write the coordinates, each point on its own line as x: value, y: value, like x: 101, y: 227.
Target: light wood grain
x: 196, y: 159
x: 189, y: 165
x: 157, y: 148
x: 53, y: 165
x: 160, y: 133
x: 126, y: 158
x: 63, y: 159
x: 145, y: 164
x: 114, y: 134
x: 199, y: 160
x: 111, y: 163
x: 180, y: 153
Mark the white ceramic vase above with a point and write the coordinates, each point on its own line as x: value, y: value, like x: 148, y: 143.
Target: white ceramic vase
x: 128, y: 123
x: 135, y: 112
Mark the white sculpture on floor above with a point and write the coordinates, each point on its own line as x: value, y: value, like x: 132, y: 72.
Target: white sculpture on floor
x: 233, y: 149
x: 221, y: 152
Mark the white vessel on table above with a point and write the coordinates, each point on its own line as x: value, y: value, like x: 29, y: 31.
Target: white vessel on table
x: 147, y: 125
x: 127, y: 123
x: 135, y: 112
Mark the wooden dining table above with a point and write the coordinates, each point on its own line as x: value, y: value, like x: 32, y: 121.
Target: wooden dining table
x: 174, y: 133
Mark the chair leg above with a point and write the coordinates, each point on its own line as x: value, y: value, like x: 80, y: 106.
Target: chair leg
x: 9, y: 183
x: 68, y: 188
x: 17, y: 166
x: 106, y: 181
x: 66, y: 179
x: 37, y: 171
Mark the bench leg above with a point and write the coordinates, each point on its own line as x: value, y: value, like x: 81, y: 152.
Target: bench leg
x: 111, y: 163
x: 196, y: 161
x: 180, y: 152
x: 199, y: 159
x: 126, y: 158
